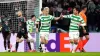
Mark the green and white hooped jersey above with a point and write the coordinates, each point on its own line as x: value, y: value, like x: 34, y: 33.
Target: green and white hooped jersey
x: 31, y: 27
x: 75, y: 20
x: 45, y: 23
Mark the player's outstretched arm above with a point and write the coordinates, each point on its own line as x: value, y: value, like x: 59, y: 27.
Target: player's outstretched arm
x: 56, y: 18
x: 65, y: 16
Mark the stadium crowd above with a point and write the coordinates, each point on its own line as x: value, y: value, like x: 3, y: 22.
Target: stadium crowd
x: 65, y: 7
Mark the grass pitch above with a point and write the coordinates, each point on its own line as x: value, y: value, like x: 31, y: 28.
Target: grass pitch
x: 50, y: 54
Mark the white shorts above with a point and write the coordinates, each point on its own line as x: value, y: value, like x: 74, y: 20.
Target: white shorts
x: 74, y: 35
x: 45, y: 35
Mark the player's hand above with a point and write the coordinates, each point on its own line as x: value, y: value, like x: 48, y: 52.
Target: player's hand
x: 79, y: 24
x: 61, y: 16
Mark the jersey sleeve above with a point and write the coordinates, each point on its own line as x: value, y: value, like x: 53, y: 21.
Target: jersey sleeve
x: 67, y: 16
x: 52, y: 17
x: 82, y: 22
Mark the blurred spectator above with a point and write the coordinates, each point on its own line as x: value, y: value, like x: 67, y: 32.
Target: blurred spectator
x: 98, y: 17
x: 51, y: 11
x: 72, y: 3
x: 91, y: 15
x: 79, y: 3
x: 59, y: 9
x: 83, y: 2
x: 96, y: 2
x: 65, y: 5
x: 50, y: 1
x: 91, y: 6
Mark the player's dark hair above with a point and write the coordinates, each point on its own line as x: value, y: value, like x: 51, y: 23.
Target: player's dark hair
x: 32, y: 16
x: 83, y: 7
x: 77, y: 8
x: 42, y: 8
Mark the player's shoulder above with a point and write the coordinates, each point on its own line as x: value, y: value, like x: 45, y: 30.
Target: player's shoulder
x: 71, y: 15
x: 41, y: 16
x: 51, y: 16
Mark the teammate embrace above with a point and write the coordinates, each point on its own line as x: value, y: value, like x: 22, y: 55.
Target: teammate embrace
x: 76, y: 22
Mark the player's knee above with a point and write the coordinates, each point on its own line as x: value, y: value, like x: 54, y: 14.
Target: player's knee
x: 20, y: 40
x: 87, y: 38
x: 17, y: 40
x: 46, y: 42
x: 42, y: 43
x: 42, y: 40
x: 71, y: 41
x: 76, y: 43
x: 30, y: 40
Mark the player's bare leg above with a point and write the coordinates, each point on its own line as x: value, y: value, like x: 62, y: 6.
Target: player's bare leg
x: 87, y: 37
x: 31, y: 40
x: 43, y: 42
x: 29, y: 45
x: 18, y: 40
x: 74, y: 45
x: 32, y: 45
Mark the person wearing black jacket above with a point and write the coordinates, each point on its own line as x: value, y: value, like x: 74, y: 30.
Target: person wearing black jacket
x: 6, y: 31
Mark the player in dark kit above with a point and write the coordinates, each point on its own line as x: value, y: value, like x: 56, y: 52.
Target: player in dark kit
x: 5, y: 23
x: 22, y: 30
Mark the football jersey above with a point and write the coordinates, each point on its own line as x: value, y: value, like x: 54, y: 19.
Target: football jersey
x: 31, y: 27
x: 45, y: 23
x: 75, y: 20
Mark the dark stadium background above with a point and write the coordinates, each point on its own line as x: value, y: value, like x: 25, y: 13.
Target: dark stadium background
x: 65, y: 7
x: 56, y: 8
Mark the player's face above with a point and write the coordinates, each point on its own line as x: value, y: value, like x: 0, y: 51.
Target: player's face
x: 34, y: 18
x: 19, y: 13
x: 75, y: 11
x: 46, y: 11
